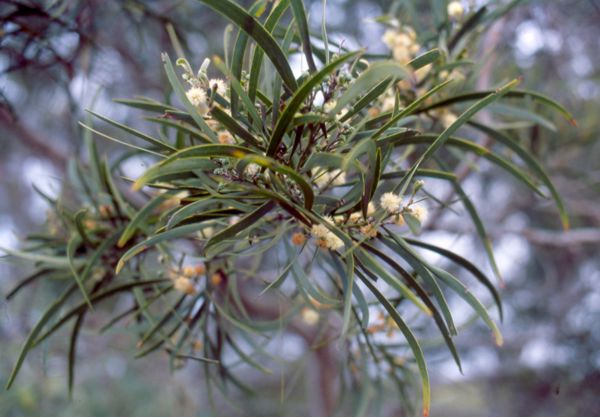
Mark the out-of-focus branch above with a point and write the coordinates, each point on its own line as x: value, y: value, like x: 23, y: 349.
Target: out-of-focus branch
x: 569, y: 238
x: 38, y: 145
x: 553, y: 238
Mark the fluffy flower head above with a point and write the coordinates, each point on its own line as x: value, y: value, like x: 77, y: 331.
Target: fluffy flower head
x: 319, y: 230
x: 403, y: 43
x: 219, y: 86
x: 419, y: 212
x: 356, y: 217
x: 326, y: 239
x: 330, y: 105
x: 252, y: 169
x: 309, y: 316
x: 394, y: 38
x: 391, y: 202
x: 455, y: 10
x: 369, y: 230
x: 334, y: 242
x: 184, y: 285
x: 196, y: 96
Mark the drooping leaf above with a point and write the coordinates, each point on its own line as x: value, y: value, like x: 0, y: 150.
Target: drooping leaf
x: 256, y: 31
x: 412, y: 341
x: 300, y: 18
x: 509, y: 94
x: 39, y: 326
x: 257, y: 58
x: 72, y: 352
x: 531, y: 163
x: 72, y: 245
x: 465, y: 264
x: 446, y: 134
x: 156, y: 142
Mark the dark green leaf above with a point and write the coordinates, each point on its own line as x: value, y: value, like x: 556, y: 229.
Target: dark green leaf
x: 256, y: 31
x: 412, y: 341
x: 300, y: 18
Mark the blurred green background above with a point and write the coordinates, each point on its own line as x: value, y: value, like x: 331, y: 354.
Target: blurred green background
x: 59, y: 57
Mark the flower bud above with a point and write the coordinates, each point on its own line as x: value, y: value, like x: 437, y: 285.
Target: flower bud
x: 455, y: 10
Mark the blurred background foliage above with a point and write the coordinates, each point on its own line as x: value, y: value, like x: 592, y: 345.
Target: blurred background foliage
x: 59, y: 57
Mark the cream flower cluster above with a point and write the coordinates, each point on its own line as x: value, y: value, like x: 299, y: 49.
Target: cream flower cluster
x: 310, y: 316
x: 367, y: 227
x: 357, y: 216
x: 197, y: 96
x: 403, y: 43
x: 183, y: 280
x: 455, y: 74
x: 184, y: 285
x: 199, y: 86
x: 419, y: 212
x: 381, y: 324
x: 335, y: 177
x: 325, y: 238
x: 391, y: 202
x: 448, y: 119
x: 218, y: 86
x: 252, y: 169
x: 329, y: 106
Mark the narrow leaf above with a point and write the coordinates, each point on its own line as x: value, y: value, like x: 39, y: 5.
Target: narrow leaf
x: 300, y: 18
x: 256, y: 31
x: 412, y: 341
